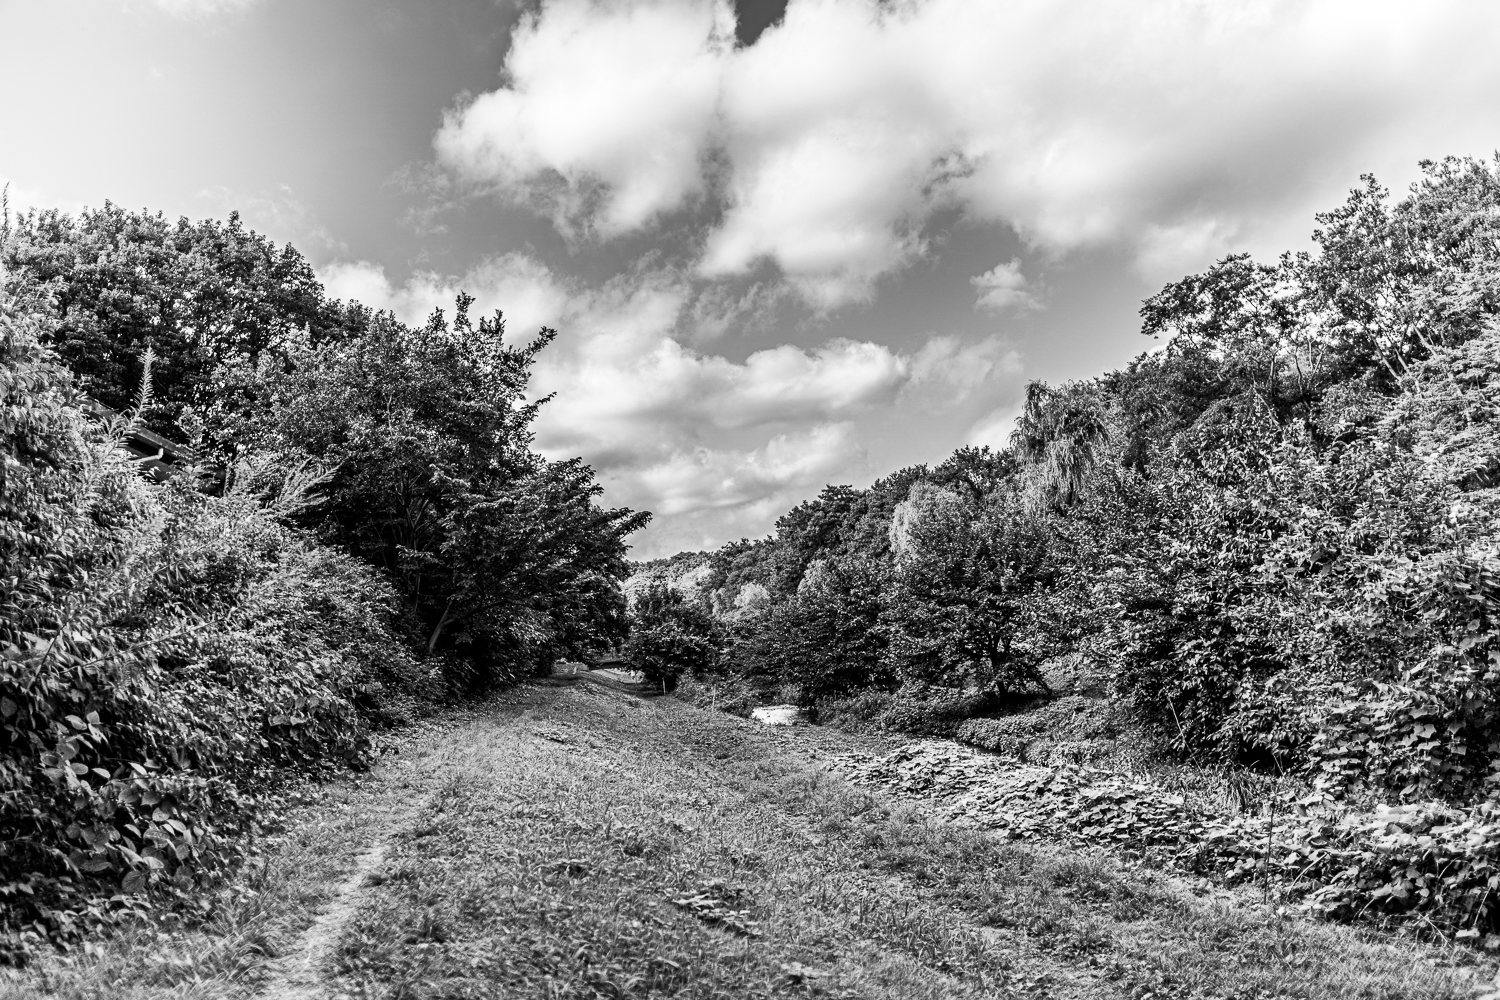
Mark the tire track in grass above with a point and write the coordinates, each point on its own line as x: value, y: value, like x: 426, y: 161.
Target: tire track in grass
x: 298, y: 973
x: 303, y: 973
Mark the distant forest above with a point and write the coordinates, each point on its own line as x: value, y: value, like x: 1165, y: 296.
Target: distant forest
x: 1275, y: 534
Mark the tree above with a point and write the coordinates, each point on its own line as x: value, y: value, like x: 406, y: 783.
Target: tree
x: 826, y: 638
x: 427, y: 435
x: 162, y: 653
x: 671, y: 636
x: 1063, y: 433
x: 211, y: 300
x: 962, y: 608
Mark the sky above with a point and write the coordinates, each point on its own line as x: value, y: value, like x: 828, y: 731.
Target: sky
x: 784, y: 244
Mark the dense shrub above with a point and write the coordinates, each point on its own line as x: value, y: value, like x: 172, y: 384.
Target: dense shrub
x: 1427, y: 865
x: 170, y: 652
x: 855, y: 711
x: 164, y: 655
x: 1069, y: 729
x: 730, y: 693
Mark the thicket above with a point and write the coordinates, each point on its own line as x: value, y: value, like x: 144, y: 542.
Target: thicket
x: 365, y: 531
x: 1275, y: 534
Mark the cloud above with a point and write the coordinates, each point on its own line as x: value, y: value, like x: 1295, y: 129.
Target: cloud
x: 710, y: 479
x: 203, y: 8
x: 1003, y: 287
x: 606, y: 115
x: 674, y: 429
x: 524, y: 289
x: 947, y: 370
x: 1167, y: 128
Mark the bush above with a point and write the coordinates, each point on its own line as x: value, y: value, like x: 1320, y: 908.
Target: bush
x: 932, y: 711
x: 1071, y: 729
x: 1427, y: 866
x: 165, y: 656
x: 917, y: 710
x: 856, y: 710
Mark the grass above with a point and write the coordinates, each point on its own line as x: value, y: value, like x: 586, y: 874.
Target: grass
x: 584, y: 843
x: 257, y: 918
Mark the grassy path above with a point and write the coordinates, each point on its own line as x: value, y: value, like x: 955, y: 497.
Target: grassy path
x: 578, y: 842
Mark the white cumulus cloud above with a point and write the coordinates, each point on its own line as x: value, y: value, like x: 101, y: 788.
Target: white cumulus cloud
x: 606, y: 115
x: 708, y: 479
x: 1168, y: 128
x: 1004, y: 287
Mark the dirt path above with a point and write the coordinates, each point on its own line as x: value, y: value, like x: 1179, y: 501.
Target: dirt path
x: 302, y: 972
x: 299, y: 975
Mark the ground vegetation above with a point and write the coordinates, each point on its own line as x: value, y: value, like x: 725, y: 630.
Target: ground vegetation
x: 579, y: 842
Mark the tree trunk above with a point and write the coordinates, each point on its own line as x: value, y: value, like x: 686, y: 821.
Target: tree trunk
x: 438, y: 629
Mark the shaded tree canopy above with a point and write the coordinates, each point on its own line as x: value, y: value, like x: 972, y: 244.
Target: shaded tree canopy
x: 427, y: 432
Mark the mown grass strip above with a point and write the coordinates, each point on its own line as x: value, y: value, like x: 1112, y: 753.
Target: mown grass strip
x: 554, y: 863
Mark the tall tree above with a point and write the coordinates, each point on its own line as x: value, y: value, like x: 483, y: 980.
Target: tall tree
x: 427, y: 433
x: 962, y: 608
x: 670, y: 636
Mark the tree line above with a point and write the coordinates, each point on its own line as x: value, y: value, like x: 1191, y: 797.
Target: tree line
x: 1275, y: 534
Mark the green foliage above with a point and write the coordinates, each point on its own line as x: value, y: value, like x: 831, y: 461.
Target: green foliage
x: 670, y: 637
